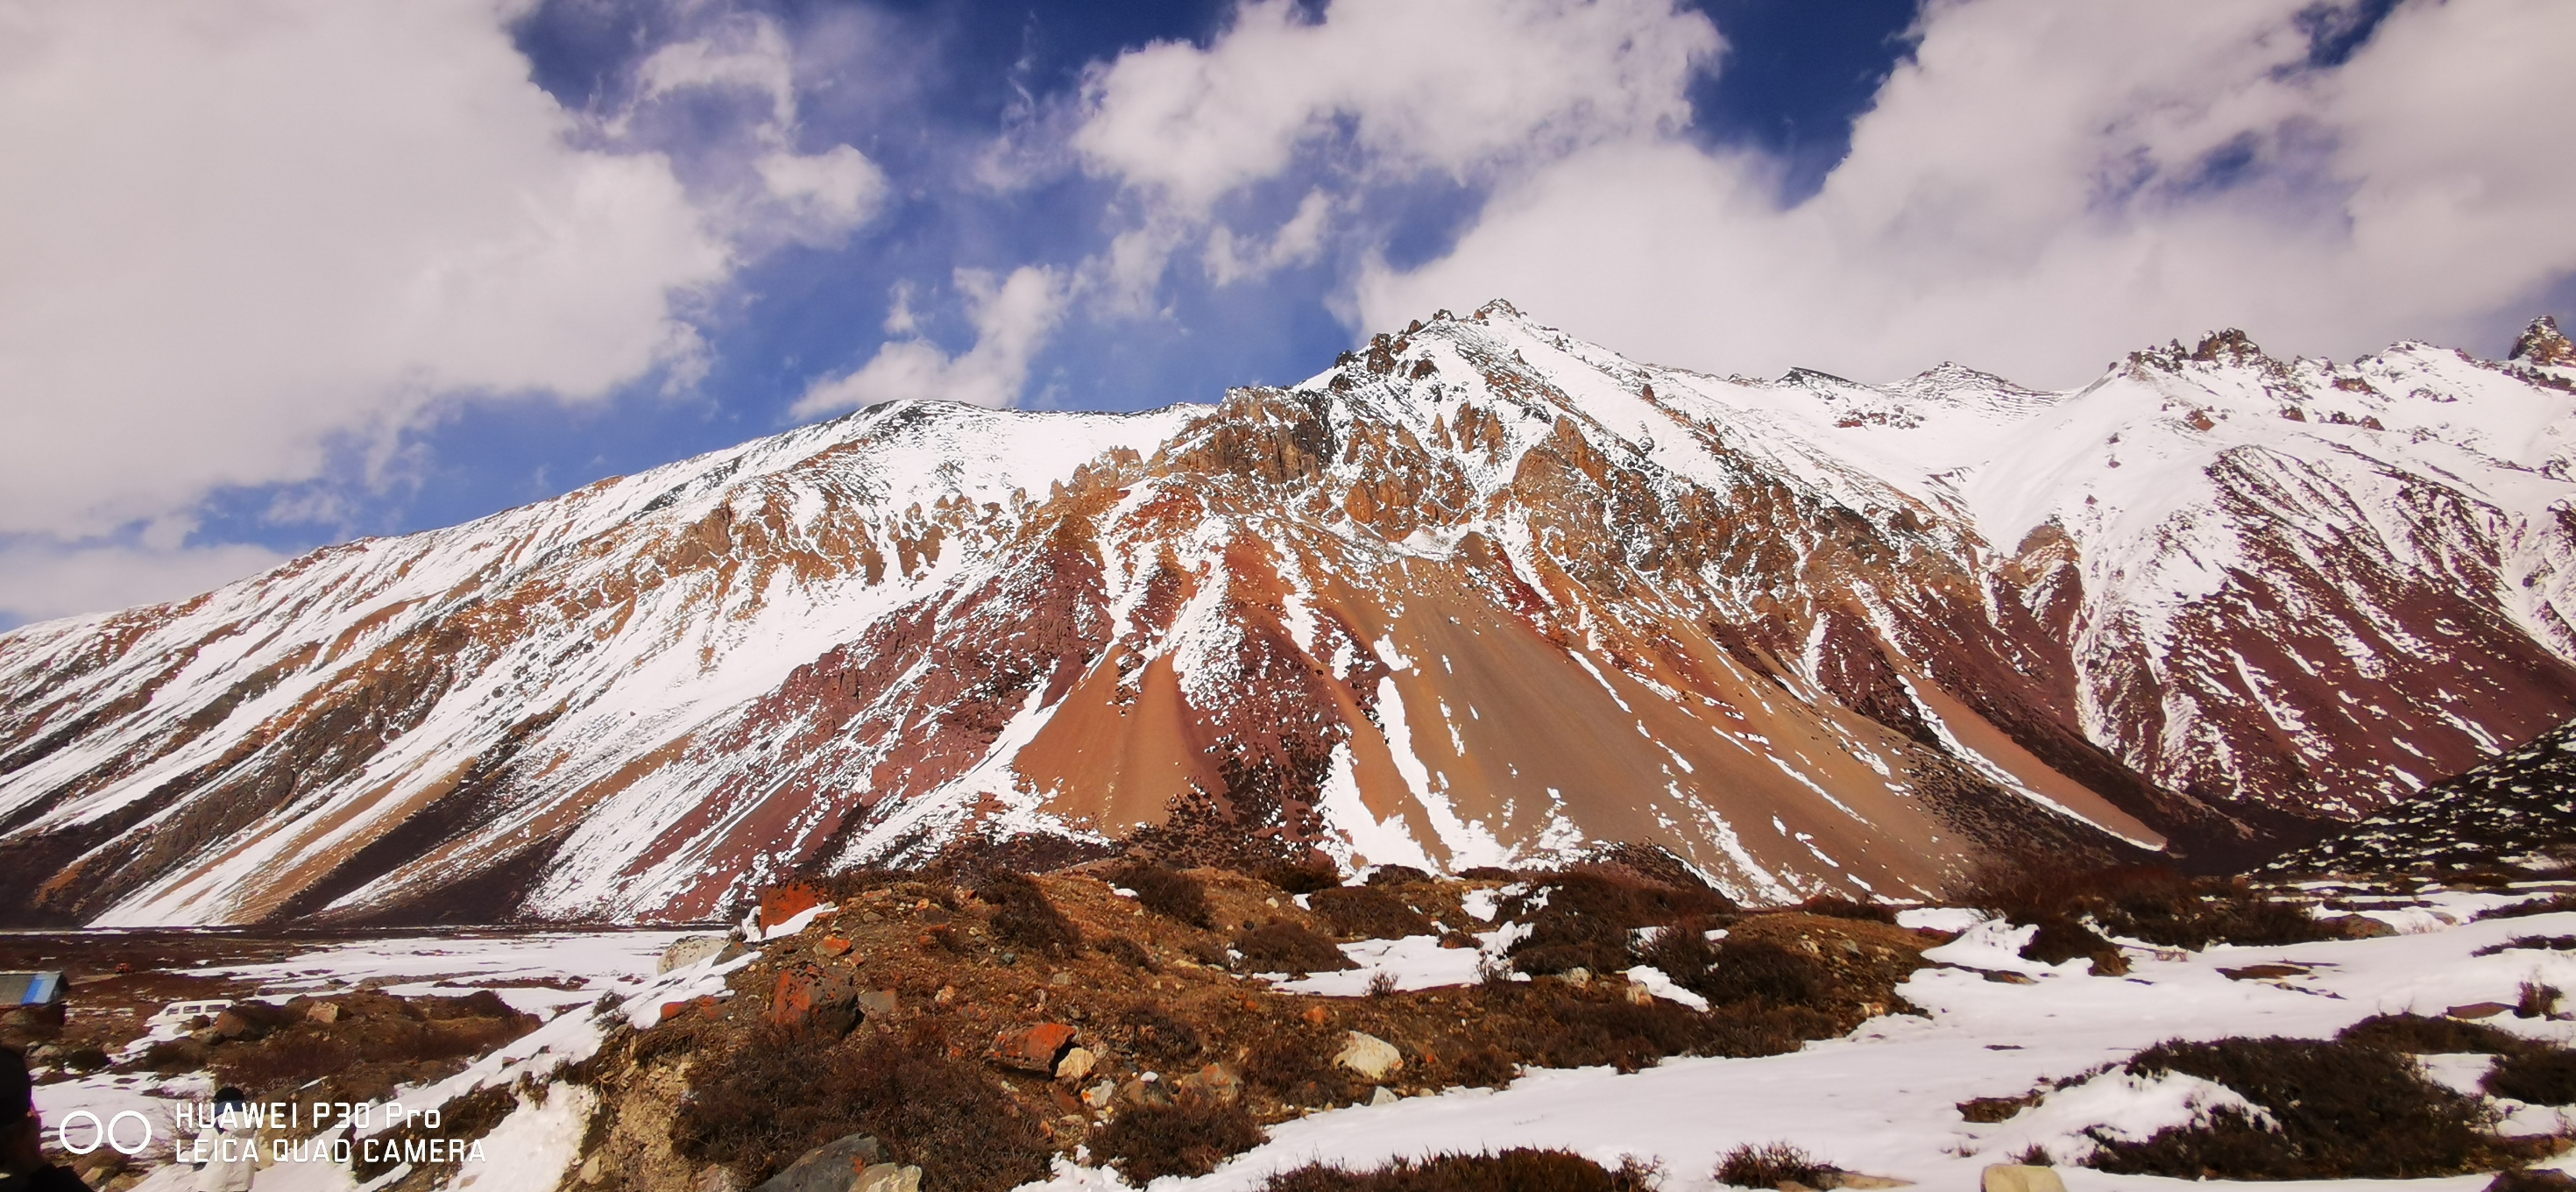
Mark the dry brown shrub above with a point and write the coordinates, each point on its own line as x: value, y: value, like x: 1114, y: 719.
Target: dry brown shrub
x: 2338, y: 1110
x: 759, y: 1104
x: 1165, y: 891
x: 1128, y: 952
x: 1770, y: 1165
x: 2539, y: 1075
x: 1519, y: 1169
x: 1835, y: 906
x: 1303, y: 878
x: 1023, y: 917
x: 1147, y: 1142
x: 2415, y: 1034
x: 1283, y: 946
x: 1368, y: 912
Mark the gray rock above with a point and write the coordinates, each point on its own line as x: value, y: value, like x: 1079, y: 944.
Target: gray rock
x: 841, y: 1165
x: 886, y: 1177
x: 1369, y: 1056
x: 688, y: 950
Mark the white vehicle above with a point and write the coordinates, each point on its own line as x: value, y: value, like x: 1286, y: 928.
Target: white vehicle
x: 175, y: 1016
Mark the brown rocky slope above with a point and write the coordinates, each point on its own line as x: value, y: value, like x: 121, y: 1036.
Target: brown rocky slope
x: 1480, y: 594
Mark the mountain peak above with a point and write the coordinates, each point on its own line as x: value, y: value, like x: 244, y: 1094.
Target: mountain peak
x: 2543, y: 344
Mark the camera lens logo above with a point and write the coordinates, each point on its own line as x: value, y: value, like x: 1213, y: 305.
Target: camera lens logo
x: 111, y: 1134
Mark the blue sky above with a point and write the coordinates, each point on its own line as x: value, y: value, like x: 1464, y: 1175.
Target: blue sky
x: 294, y: 273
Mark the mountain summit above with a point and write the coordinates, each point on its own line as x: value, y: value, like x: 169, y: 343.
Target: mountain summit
x: 1480, y: 593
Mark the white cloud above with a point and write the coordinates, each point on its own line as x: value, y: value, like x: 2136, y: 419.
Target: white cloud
x: 1457, y: 87
x: 1012, y: 320
x: 1231, y: 259
x: 239, y: 230
x: 809, y: 198
x: 824, y: 195
x: 1423, y: 84
x: 40, y: 580
x: 2047, y: 186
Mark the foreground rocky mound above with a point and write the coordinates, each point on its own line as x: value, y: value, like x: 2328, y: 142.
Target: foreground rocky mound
x: 975, y: 1030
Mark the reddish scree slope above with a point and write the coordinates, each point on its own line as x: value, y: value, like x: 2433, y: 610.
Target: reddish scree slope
x: 1480, y: 594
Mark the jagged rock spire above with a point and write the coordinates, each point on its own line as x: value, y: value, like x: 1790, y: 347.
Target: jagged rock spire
x: 2543, y: 344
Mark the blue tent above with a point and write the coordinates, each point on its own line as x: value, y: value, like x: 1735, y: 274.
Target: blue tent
x: 31, y: 989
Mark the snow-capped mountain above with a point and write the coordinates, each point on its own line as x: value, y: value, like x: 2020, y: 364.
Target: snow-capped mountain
x: 1481, y: 592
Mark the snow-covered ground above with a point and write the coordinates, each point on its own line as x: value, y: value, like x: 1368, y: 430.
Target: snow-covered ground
x: 1883, y: 1100
x: 575, y: 968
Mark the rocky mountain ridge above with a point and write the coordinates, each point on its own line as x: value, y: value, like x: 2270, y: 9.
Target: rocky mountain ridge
x: 1480, y: 594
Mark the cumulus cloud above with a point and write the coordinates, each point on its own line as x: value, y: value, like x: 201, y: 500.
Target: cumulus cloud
x: 784, y: 194
x: 1421, y: 84
x: 1012, y: 320
x: 2046, y: 186
x: 1231, y: 258
x: 239, y: 230
x: 1455, y: 87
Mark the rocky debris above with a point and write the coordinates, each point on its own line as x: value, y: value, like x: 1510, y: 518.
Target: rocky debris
x: 848, y: 1164
x: 1368, y: 1057
x: 1036, y: 1049
x: 815, y: 997
x: 1075, y: 1065
x: 688, y: 950
x: 2020, y: 1177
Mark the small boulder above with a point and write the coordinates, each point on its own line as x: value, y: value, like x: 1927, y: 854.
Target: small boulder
x: 818, y: 999
x: 832, y: 945
x: 840, y: 1165
x: 1142, y: 1091
x: 1368, y: 1056
x: 886, y: 1177
x: 1383, y: 1096
x: 2478, y: 1010
x: 324, y: 1013
x: 1100, y: 1095
x: 1036, y: 1049
x: 2357, y: 927
x: 2019, y: 1177
x: 716, y: 1179
x: 688, y: 950
x: 1075, y: 1065
x: 1211, y: 1085
x: 876, y: 1003
x: 778, y: 904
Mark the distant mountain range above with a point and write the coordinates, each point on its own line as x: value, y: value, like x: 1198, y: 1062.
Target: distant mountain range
x: 1481, y: 593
